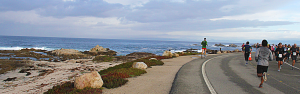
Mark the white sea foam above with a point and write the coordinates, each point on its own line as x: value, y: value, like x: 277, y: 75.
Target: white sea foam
x: 11, y: 48
x: 19, y: 48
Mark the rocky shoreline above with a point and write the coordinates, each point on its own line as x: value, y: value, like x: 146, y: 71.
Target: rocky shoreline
x: 45, y: 69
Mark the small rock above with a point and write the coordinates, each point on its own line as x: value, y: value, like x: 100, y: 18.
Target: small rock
x: 10, y: 79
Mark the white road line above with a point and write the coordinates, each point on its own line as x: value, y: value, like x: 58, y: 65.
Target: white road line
x: 211, y: 89
x: 291, y: 65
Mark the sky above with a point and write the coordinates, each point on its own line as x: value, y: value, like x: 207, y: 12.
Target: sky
x: 171, y: 20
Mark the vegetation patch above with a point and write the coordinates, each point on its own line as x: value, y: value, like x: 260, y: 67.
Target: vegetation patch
x: 8, y: 65
x: 128, y: 71
x: 103, y: 58
x: 113, y: 81
x: 68, y: 88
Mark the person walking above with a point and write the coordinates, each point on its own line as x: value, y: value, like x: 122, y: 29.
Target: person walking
x: 262, y: 56
x: 280, y: 54
x: 243, y: 47
x: 204, y: 44
x: 294, y: 52
x: 247, y: 48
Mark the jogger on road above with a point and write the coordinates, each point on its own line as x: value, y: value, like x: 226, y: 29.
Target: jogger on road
x: 262, y: 57
x: 247, y: 50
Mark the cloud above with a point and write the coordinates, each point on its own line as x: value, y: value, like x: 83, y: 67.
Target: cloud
x: 148, y: 19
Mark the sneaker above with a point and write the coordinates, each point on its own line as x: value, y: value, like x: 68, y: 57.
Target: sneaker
x: 278, y: 70
x: 292, y: 67
x: 265, y: 76
x: 280, y: 66
x: 260, y: 86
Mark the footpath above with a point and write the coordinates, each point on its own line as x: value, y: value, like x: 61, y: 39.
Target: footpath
x: 157, y: 80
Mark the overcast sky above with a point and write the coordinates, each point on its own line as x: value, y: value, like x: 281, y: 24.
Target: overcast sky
x: 178, y: 20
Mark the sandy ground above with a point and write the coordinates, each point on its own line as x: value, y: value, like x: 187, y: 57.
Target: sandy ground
x: 157, y: 80
x: 60, y: 72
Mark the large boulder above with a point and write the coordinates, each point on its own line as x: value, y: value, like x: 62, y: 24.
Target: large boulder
x: 139, y: 65
x: 98, y: 49
x: 92, y: 80
x: 168, y: 54
x: 236, y: 50
x: 176, y: 55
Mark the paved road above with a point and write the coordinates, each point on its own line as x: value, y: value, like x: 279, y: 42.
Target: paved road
x: 228, y: 74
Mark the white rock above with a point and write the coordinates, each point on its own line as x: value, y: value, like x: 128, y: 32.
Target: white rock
x: 152, y: 59
x: 92, y: 80
x: 139, y: 65
x: 176, y: 55
x: 168, y: 54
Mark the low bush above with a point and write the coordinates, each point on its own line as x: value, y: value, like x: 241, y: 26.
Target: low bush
x: 113, y: 82
x: 103, y: 58
x: 159, y: 57
x: 128, y: 71
x: 150, y: 62
x: 68, y: 88
x: 116, y: 74
x: 124, y: 65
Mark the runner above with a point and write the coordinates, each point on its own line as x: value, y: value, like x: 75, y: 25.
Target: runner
x: 204, y: 44
x: 280, y: 54
x: 247, y: 48
x: 287, y: 56
x: 294, y: 51
x: 262, y: 57
x: 243, y: 47
x: 285, y: 51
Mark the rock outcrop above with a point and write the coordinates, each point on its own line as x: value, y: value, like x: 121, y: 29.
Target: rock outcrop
x: 139, y: 65
x: 92, y: 80
x: 168, y: 54
x: 138, y: 55
x: 99, y: 49
x: 65, y: 52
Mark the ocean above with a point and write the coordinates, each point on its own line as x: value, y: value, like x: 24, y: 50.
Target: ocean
x: 121, y: 46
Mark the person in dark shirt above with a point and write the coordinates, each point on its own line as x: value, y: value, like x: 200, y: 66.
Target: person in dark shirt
x: 247, y: 48
x: 280, y: 54
x: 294, y: 51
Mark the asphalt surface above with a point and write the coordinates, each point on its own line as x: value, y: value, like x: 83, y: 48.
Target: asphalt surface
x: 228, y: 74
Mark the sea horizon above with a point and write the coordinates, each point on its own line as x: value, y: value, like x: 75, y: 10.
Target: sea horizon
x: 121, y: 46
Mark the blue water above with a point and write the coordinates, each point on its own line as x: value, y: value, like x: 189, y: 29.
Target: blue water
x: 121, y: 46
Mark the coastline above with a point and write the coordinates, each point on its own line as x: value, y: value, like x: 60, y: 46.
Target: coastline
x: 46, y: 74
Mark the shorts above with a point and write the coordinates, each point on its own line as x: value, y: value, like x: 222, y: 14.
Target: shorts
x: 279, y: 59
x: 204, y: 48
x: 294, y: 57
x: 262, y: 69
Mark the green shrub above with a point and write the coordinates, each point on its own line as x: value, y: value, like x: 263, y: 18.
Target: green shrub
x: 68, y: 88
x: 150, y: 62
x: 116, y: 74
x: 124, y: 65
x: 128, y: 71
x: 113, y: 82
x: 103, y: 58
